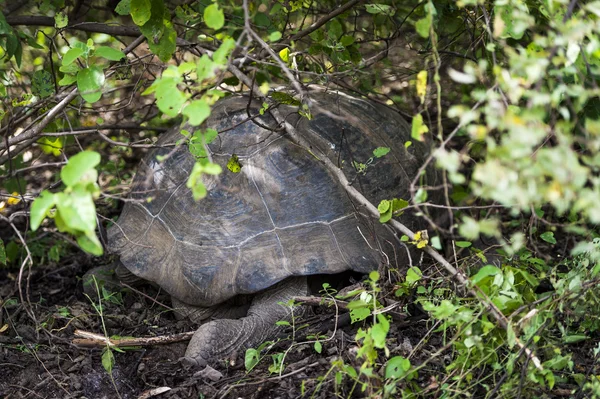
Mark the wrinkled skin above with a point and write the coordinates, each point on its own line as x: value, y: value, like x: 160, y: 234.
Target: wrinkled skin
x: 282, y: 217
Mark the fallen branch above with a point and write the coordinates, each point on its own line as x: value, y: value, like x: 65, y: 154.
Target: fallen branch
x: 92, y: 340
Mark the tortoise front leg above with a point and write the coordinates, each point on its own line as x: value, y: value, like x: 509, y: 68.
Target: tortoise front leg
x: 220, y: 338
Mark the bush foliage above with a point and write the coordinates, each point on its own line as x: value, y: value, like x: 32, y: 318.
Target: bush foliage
x: 506, y: 92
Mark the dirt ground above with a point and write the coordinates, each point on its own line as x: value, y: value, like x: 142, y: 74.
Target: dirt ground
x: 39, y: 360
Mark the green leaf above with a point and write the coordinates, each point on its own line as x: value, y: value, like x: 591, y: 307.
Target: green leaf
x: 398, y: 204
x: 441, y: 312
x: 359, y: 314
x: 335, y: 29
x: 418, y: 128
x: 511, y: 337
x: 79, y: 168
x: 262, y: 20
x: 168, y: 97
x: 40, y: 207
x: 90, y: 244
x: 274, y: 36
x: 212, y: 169
x: 220, y: 56
x: 71, y: 68
x: 436, y: 242
x: 72, y: 55
x: 423, y: 26
x: 205, y: 68
x: 108, y: 360
x: 574, y: 338
x: 347, y: 40
x: 197, y: 111
x: 484, y: 272
x: 396, y: 367
x: 77, y: 210
x: 210, y: 135
x: 61, y: 20
x: 54, y: 253
x: 285, y: 98
x: 234, y: 164
x: 214, y: 17
x: 13, y: 46
x: 379, y: 334
x: 141, y: 11
x: 463, y: 244
x: 3, y: 254
x: 374, y: 276
x: 166, y: 45
x: 284, y: 54
x: 42, y: 84
x: 51, y: 145
x: 380, y: 151
x: 384, y: 206
x: 67, y: 80
x: 251, y: 358
x: 318, y: 347
x: 123, y: 8
x: 109, y: 53
x: 89, y: 82
x: 469, y: 228
x: 380, y: 9
x: 413, y: 275
x: 548, y: 237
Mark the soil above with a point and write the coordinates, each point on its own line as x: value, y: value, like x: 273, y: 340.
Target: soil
x: 39, y: 360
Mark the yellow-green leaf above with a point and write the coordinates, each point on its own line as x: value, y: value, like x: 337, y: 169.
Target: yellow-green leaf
x: 234, y: 164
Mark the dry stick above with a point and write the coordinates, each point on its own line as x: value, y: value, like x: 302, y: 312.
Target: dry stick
x: 372, y: 209
x: 90, y: 340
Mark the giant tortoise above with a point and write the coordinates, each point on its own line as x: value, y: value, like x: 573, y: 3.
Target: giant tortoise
x: 260, y: 232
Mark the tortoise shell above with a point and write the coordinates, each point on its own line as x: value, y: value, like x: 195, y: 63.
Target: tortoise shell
x: 284, y: 214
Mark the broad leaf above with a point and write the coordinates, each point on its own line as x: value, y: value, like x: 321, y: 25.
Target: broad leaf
x: 197, y: 111
x: 140, y: 11
x: 214, y: 17
x: 124, y: 7
x: 61, y: 20
x: 40, y: 207
x: 42, y: 84
x: 396, y: 367
x: 90, y: 243
x: 109, y: 53
x: 89, y: 82
x: 77, y: 210
x: 72, y: 55
x: 78, y: 168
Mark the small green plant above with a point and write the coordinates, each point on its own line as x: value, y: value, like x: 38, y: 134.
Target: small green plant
x: 90, y: 77
x: 253, y: 356
x: 108, y: 357
x: 73, y: 209
x: 378, y: 152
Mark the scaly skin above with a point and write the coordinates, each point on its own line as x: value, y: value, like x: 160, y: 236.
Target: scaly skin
x: 221, y: 338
